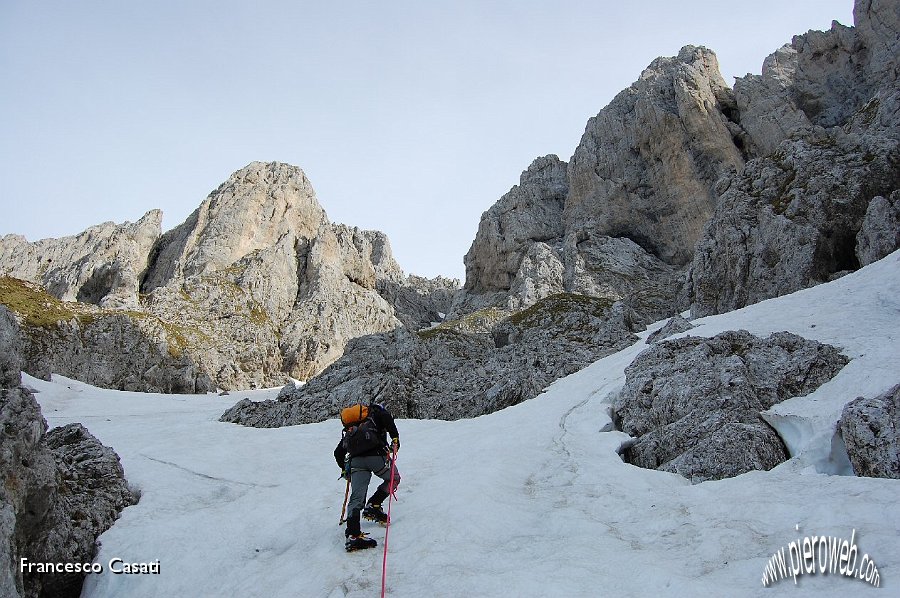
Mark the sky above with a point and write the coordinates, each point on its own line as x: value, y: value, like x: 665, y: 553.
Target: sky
x: 408, y: 117
x: 550, y: 510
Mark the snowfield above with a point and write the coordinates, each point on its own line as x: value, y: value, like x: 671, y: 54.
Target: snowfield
x: 529, y: 501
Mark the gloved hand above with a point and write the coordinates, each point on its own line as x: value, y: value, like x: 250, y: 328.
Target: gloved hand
x: 395, y: 444
x: 343, y: 475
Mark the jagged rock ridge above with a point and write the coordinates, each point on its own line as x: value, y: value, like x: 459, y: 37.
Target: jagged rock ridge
x: 784, y: 182
x: 819, y: 199
x: 458, y: 369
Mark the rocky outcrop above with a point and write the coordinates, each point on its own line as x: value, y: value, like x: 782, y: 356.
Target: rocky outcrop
x: 263, y: 237
x: 761, y: 191
x: 870, y: 428
x: 530, y: 213
x: 790, y: 220
x: 693, y: 404
x: 583, y: 262
x: 30, y: 478
x: 419, y: 302
x: 880, y: 232
x: 123, y: 350
x: 449, y: 372
x: 61, y: 489
x: 823, y: 79
x: 91, y: 492
x: 252, y: 211
x: 101, y: 266
x: 821, y: 199
x: 675, y: 325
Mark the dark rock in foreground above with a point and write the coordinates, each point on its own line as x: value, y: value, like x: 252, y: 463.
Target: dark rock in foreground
x: 871, y: 431
x: 693, y: 404
x: 60, y: 489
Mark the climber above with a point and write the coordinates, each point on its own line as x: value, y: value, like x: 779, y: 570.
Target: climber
x: 362, y: 451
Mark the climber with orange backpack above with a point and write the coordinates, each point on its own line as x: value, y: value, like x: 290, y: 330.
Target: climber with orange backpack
x: 362, y: 451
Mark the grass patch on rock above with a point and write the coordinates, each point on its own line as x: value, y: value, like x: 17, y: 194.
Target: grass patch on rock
x: 36, y: 306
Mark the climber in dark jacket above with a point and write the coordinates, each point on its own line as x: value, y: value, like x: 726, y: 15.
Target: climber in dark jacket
x: 359, y: 469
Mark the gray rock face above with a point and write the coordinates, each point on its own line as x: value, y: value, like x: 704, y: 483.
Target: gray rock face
x: 880, y: 231
x: 530, y: 213
x: 647, y: 163
x: 790, y: 221
x: 621, y: 218
x: 693, y: 404
x: 448, y: 373
x: 117, y: 349
x: 30, y: 482
x: 11, y: 361
x: 101, y: 266
x: 263, y: 240
x: 763, y: 191
x: 870, y: 428
x: 249, y: 212
x: 419, y: 302
x: 61, y: 491
x: 91, y: 494
x: 673, y: 326
x: 822, y: 78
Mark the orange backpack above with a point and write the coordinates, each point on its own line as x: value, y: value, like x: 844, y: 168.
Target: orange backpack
x: 354, y: 414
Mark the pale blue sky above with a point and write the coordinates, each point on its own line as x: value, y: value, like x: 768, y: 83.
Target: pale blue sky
x: 408, y: 117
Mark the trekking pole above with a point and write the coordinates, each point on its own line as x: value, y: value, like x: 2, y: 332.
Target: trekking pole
x: 387, y: 527
x: 344, y: 507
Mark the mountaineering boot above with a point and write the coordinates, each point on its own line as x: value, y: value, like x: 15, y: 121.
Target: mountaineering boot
x: 374, y: 512
x: 360, y: 542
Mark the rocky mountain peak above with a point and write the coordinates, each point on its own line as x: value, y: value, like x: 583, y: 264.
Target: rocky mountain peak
x: 255, y: 208
x: 657, y: 148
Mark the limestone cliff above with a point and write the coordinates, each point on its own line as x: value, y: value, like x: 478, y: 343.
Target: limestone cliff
x: 820, y: 198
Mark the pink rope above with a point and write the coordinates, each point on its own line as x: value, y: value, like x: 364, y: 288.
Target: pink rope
x: 387, y: 527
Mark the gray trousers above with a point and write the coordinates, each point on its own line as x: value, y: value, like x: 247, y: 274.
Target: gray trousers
x: 361, y: 470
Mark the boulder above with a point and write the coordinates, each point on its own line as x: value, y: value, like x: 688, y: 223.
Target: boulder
x: 675, y: 325
x: 61, y: 490
x: 693, y: 404
x: 870, y: 428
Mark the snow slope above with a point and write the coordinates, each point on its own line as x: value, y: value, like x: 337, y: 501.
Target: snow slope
x: 529, y: 501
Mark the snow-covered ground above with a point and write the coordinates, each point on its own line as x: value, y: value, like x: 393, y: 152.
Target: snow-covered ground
x: 529, y: 501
